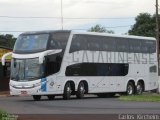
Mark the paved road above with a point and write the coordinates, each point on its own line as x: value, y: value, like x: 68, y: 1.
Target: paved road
x: 88, y: 105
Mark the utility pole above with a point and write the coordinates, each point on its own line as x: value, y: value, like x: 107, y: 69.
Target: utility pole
x: 157, y: 29
x: 62, y: 14
x: 157, y: 37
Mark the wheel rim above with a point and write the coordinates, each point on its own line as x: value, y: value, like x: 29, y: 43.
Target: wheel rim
x: 82, y: 90
x: 139, y: 89
x: 69, y: 89
x: 130, y: 90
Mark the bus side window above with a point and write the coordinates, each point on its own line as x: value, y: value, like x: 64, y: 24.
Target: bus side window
x: 53, y: 63
x: 153, y: 69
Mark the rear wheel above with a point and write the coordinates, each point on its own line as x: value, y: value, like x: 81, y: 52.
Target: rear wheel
x: 67, y: 91
x: 81, y: 90
x: 130, y: 89
x: 51, y: 97
x: 37, y: 97
x: 139, y: 88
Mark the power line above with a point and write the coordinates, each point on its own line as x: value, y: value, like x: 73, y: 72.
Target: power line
x: 70, y: 29
x: 18, y: 17
x: 43, y: 17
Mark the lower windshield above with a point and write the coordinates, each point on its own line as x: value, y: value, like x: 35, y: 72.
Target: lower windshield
x: 26, y: 69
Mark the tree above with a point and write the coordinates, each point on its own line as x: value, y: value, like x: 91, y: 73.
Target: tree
x: 99, y: 28
x: 7, y: 41
x: 145, y: 25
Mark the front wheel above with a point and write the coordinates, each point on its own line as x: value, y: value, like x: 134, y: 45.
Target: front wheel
x: 130, y: 89
x: 139, y: 88
x: 81, y: 90
x: 37, y: 97
x: 67, y: 91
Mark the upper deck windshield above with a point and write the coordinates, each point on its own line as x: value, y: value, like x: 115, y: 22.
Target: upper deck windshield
x: 31, y: 43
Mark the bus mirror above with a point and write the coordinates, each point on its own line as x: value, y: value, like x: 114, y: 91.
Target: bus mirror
x: 4, y: 56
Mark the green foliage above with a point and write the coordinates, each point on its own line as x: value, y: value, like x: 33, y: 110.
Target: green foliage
x: 145, y: 25
x: 99, y: 28
x: 5, y: 116
x: 7, y: 41
x: 2, y: 113
x: 144, y: 97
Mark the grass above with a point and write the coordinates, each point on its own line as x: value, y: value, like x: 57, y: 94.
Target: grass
x: 2, y: 113
x: 5, y: 116
x: 148, y: 97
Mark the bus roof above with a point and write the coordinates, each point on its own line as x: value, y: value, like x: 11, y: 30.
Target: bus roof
x: 44, y: 31
x: 114, y: 35
x: 90, y: 33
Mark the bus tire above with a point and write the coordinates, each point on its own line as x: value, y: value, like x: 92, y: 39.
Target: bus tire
x: 81, y: 90
x: 37, y: 97
x: 50, y: 97
x: 67, y: 91
x: 130, y: 88
x: 139, y: 88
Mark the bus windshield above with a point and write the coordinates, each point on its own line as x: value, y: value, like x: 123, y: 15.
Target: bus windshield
x: 26, y: 69
x: 31, y: 43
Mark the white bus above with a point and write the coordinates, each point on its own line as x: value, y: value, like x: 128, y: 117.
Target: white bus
x: 51, y: 63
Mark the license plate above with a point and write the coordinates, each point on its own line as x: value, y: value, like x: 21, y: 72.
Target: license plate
x: 23, y: 92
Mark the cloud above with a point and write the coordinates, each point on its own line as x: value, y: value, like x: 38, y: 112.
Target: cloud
x: 71, y: 9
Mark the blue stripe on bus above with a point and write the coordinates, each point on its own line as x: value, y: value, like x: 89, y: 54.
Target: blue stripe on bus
x: 43, y: 84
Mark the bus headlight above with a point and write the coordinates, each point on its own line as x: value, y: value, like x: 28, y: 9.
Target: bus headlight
x: 37, y: 84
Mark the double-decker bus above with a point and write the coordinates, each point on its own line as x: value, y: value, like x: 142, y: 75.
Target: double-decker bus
x: 52, y: 63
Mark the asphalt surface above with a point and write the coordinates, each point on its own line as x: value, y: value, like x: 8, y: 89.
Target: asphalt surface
x: 89, y: 105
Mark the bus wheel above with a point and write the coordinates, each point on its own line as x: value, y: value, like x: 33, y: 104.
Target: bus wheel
x: 130, y: 89
x: 81, y: 90
x: 139, y: 88
x: 67, y: 91
x: 37, y: 97
x: 51, y: 97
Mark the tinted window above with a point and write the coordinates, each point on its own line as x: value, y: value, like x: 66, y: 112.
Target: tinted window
x: 151, y: 45
x: 114, y: 44
x: 97, y: 69
x: 92, y: 43
x: 31, y: 43
x: 153, y: 69
x: 59, y: 40
x: 122, y: 44
x: 53, y: 63
x: 108, y: 44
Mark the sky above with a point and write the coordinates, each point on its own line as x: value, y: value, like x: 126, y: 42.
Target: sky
x: 17, y: 16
